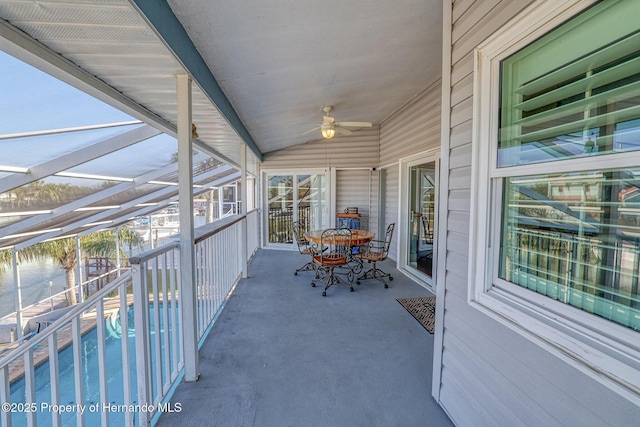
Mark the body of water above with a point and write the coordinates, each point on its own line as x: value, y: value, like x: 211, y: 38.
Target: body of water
x: 34, y: 280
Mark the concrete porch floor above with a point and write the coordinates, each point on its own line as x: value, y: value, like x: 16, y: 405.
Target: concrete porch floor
x: 280, y: 354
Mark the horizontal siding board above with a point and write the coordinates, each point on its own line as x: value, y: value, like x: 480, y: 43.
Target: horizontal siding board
x: 473, y: 414
x: 458, y: 242
x: 460, y: 157
x: 461, y: 69
x: 354, y: 189
x: 459, y: 200
x: 461, y: 134
x: 458, y: 221
x: 458, y: 280
x: 486, y: 23
x: 461, y: 179
x: 462, y: 90
x: 459, y: 8
x: 414, y: 129
x: 461, y: 112
x: 467, y: 21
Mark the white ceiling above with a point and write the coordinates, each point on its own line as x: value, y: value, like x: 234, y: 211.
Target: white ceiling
x: 279, y: 62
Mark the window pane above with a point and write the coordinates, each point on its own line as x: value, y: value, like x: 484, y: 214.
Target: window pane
x: 576, y: 238
x: 574, y: 92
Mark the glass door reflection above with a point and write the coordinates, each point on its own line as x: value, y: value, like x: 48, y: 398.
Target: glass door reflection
x: 422, y: 221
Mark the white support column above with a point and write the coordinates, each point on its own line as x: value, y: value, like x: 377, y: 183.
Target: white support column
x: 18, y: 293
x: 243, y: 209
x: 79, y: 280
x: 188, y: 292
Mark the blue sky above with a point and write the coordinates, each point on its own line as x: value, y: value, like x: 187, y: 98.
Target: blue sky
x: 32, y: 100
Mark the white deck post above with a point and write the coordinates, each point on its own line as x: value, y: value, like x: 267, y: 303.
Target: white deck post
x: 185, y: 204
x: 243, y: 209
x: 18, y: 294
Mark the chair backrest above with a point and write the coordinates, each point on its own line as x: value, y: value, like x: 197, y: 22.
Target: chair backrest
x: 337, y: 242
x: 387, y: 240
x: 298, y: 236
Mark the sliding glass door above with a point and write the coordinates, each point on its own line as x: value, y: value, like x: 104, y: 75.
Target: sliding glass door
x: 418, y: 213
x: 293, y: 197
x: 422, y: 208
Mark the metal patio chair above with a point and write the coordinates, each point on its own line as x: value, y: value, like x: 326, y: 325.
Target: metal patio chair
x: 337, y: 242
x: 304, y: 247
x: 373, y: 252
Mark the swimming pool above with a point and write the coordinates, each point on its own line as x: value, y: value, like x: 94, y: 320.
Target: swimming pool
x: 93, y: 404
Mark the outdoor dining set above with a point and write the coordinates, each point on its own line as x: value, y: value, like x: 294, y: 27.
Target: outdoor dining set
x: 337, y: 255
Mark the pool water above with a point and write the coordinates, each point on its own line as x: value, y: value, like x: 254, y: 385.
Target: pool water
x: 90, y: 377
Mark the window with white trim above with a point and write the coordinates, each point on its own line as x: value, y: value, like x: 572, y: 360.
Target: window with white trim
x: 558, y: 101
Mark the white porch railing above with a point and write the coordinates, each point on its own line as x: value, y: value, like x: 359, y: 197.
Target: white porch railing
x: 99, y: 379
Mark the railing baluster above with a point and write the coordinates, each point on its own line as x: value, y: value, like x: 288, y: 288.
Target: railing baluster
x: 102, y: 360
x: 165, y: 322
x: 174, y: 310
x: 157, y: 336
x: 77, y: 367
x: 54, y: 372
x: 5, y: 393
x: 29, y: 382
x: 124, y: 343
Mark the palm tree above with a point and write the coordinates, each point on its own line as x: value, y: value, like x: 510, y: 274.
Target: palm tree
x: 101, y: 243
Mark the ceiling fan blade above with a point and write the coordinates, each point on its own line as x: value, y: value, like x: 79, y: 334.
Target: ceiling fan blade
x: 309, y: 131
x: 355, y: 124
x: 342, y: 130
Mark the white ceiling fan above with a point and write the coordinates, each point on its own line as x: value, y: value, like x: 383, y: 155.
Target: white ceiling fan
x: 329, y: 127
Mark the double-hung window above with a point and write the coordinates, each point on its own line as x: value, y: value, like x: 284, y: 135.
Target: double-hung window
x: 555, y: 247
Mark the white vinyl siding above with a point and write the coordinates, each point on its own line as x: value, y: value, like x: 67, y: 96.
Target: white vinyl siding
x: 358, y: 150
x: 490, y: 374
x: 358, y: 188
x: 413, y: 129
x: 392, y: 183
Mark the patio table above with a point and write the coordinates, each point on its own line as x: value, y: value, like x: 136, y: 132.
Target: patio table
x: 358, y: 238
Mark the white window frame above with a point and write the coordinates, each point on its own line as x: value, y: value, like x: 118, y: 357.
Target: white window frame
x: 607, y: 352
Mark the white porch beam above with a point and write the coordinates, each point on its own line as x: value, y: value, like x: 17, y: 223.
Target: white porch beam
x: 93, y: 198
x: 188, y: 292
x: 150, y: 209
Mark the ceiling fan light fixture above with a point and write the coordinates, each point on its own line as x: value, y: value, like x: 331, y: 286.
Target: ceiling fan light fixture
x: 328, y: 131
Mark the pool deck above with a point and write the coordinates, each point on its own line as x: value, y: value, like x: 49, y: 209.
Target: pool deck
x: 280, y: 354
